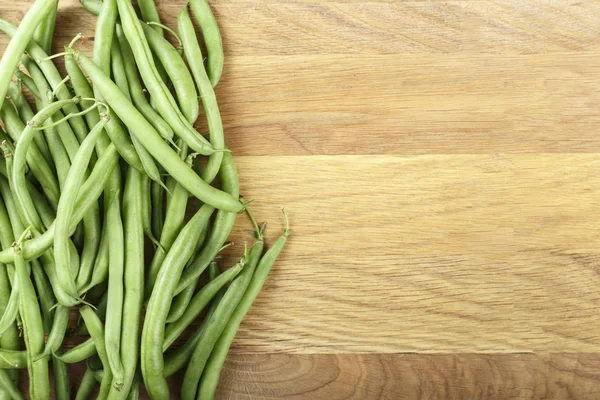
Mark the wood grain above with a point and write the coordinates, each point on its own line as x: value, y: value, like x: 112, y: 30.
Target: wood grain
x: 439, y: 162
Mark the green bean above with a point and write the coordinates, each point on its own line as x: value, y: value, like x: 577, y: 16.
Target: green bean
x: 149, y: 13
x: 201, y: 300
x: 35, y: 160
x: 177, y: 71
x: 175, y: 216
x: 59, y: 329
x: 33, y: 330
x: 45, y: 293
x: 45, y: 31
x: 160, y: 300
x: 156, y: 200
x: 13, y: 359
x: 179, y: 357
x: 120, y: 77
x: 217, y: 322
x: 181, y: 302
x: 100, y: 271
x: 20, y: 39
x: 207, y: 93
x: 88, y: 195
x: 116, y: 254
x: 134, y: 281
x: 134, y: 393
x: 137, y: 92
x: 222, y: 227
x: 96, y: 330
x: 212, y: 39
x: 87, y: 385
x: 212, y: 371
x: 52, y: 75
x: 92, y: 234
x: 147, y: 210
x: 163, y: 99
x: 152, y: 141
x: 10, y: 338
x: 92, y: 6
x: 28, y: 82
x: 26, y: 113
x: 79, y: 353
x: 62, y: 387
x: 67, y: 204
x: 60, y: 155
x: 9, y: 386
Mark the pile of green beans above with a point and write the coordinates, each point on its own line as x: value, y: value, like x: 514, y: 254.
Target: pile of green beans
x: 111, y: 216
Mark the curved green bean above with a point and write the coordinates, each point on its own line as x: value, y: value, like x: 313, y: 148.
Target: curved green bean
x: 158, y: 305
x: 96, y: 330
x: 79, y: 353
x: 212, y: 39
x: 178, y: 358
x: 214, y: 365
x: 178, y: 73
x: 201, y: 300
x: 152, y: 141
x: 207, y: 93
x: 222, y: 227
x: 137, y: 92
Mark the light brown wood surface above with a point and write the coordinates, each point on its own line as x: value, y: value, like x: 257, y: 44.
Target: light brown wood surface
x: 439, y: 163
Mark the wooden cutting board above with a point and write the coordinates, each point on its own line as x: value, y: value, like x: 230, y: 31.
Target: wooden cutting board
x: 439, y: 164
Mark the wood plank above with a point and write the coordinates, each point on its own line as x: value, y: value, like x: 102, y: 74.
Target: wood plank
x: 426, y: 254
x: 411, y: 376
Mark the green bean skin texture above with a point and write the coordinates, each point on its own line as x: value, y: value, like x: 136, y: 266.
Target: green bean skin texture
x: 19, y: 40
x: 212, y: 39
x: 207, y: 93
x: 137, y: 92
x: 152, y: 141
x: 39, y: 166
x: 200, y: 301
x: 88, y: 195
x: 134, y: 281
x: 160, y: 300
x: 164, y: 101
x: 33, y: 331
x: 86, y: 387
x: 7, y: 385
x: 218, y: 320
x: 79, y: 353
x: 214, y: 365
x: 96, y: 330
x: 222, y: 227
x: 178, y: 73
